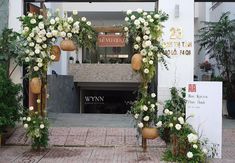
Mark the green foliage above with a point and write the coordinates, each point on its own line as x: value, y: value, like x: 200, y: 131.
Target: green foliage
x: 217, y: 38
x: 37, y: 129
x: 10, y: 108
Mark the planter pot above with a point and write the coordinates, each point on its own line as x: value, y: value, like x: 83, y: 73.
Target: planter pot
x: 136, y: 61
x: 231, y: 108
x: 35, y: 85
x: 67, y: 45
x: 55, y: 50
x: 178, y: 149
x: 149, y: 133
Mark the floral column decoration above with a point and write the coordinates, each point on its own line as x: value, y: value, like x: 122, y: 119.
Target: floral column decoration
x: 38, y: 36
x: 145, y: 31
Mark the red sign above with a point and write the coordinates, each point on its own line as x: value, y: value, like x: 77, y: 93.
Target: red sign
x: 111, y: 41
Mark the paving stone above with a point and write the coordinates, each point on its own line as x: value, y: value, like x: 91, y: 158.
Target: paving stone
x: 95, y: 140
x: 115, y: 131
x: 75, y: 140
x: 17, y: 139
x: 131, y: 140
x: 102, y: 155
x: 30, y: 157
x: 125, y: 155
x: 60, y: 131
x: 130, y: 132
x: 96, y: 131
x: 9, y: 154
x: 114, y: 140
x: 57, y: 140
x: 78, y: 131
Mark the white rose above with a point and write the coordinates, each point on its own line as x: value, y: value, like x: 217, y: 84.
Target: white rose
x: 57, y: 19
x: 24, y: 118
x: 26, y: 125
x: 52, y: 21
x: 181, y: 120
x: 31, y: 108
x: 138, y: 39
x: 70, y: 20
x: 144, y: 60
x: 137, y: 22
x: 146, y: 71
x: 26, y: 29
x: 40, y: 17
x: 146, y: 23
x: 150, y: 53
x: 146, y: 118
x: 63, y: 34
x: 53, y: 39
x: 166, y: 111
x: 147, y: 32
x: 38, y: 101
x: 39, y: 40
x: 27, y: 51
x: 190, y: 154
x: 150, y: 62
x: 153, y: 95
x: 136, y: 116
x: 152, y: 106
x: 178, y: 126
x: 126, y: 19
x: 28, y: 119
x: 136, y: 46
x: 31, y: 53
x: 83, y: 19
x: 159, y: 124
x: 42, y: 126
x: 195, y: 146
x: 35, y: 68
x: 88, y: 23
x: 30, y: 15
x: 143, y: 52
x: 139, y: 10
x: 148, y: 43
x: 126, y: 29
x: 33, y: 21
x: 132, y: 17
x: 26, y: 59
x: 49, y: 34
x: 145, y: 108
x: 171, y: 125
x: 54, y: 32
x: 170, y: 112
x: 44, y: 46
x: 69, y: 35
x: 128, y: 12
x: 140, y: 125
x: 60, y: 28
x: 75, y: 12
x: 40, y: 64
x: 149, y: 16
x: 151, y: 20
x: 145, y: 13
x: 156, y: 16
x: 31, y: 35
x: 37, y: 51
x: 52, y: 57
x: 41, y: 25
x: 192, y: 138
x: 145, y: 37
x: 29, y: 39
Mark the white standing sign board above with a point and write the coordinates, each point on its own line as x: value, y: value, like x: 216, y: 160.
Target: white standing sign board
x: 204, y: 101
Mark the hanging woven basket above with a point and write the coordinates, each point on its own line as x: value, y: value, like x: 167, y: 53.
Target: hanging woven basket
x: 35, y: 85
x: 67, y: 45
x: 136, y: 61
x: 55, y: 50
x: 150, y: 133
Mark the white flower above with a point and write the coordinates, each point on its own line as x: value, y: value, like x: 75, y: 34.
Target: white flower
x: 192, y: 138
x: 26, y: 59
x: 26, y: 125
x: 126, y: 29
x: 139, y: 10
x: 152, y: 106
x: 170, y: 112
x: 204, y: 150
x: 136, y: 46
x: 166, y: 111
x: 37, y: 51
x: 145, y: 13
x: 33, y: 21
x: 52, y: 57
x: 30, y: 15
x: 151, y: 20
x: 52, y: 21
x: 40, y: 64
x: 49, y: 34
x: 195, y: 146
x: 171, y: 125
x: 137, y: 22
x: 53, y: 39
x: 150, y: 53
x: 143, y: 52
x: 146, y: 71
x: 63, y: 34
x: 126, y: 19
x: 54, y: 32
x: 26, y: 29
x: 75, y: 12
x: 42, y: 126
x: 146, y: 118
x: 70, y: 20
x: 57, y: 19
x: 60, y: 28
x: 24, y: 118
x: 153, y: 95
x: 31, y: 108
x: 181, y: 120
x: 145, y: 37
x: 41, y: 25
x: 190, y: 154
x: 147, y: 32
x: 57, y: 10
x: 31, y: 53
x: 44, y: 46
x: 69, y: 35
x: 144, y: 60
x: 83, y: 19
x: 28, y: 119
x: 88, y: 23
x: 35, y: 68
x: 148, y: 43
x: 150, y: 62
x: 159, y: 124
x: 39, y: 40
x: 31, y: 35
x: 145, y: 108
x: 38, y: 101
x: 149, y: 16
x: 128, y: 12
x: 138, y: 39
x: 156, y: 16
x: 140, y: 125
x: 132, y: 17
x: 146, y: 23
x: 136, y: 116
x: 40, y: 17
x: 178, y: 126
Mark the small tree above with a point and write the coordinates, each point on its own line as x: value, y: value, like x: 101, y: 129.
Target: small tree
x: 217, y: 38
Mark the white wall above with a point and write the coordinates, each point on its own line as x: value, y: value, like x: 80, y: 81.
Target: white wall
x: 15, y: 10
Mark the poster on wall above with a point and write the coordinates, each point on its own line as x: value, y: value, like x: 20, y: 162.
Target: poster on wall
x: 204, y: 104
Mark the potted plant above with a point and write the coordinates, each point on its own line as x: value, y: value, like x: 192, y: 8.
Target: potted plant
x: 217, y: 38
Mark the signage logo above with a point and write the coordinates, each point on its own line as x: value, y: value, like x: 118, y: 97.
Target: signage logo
x: 111, y: 40
x: 192, y: 88
x: 176, y: 33
x: 94, y: 99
